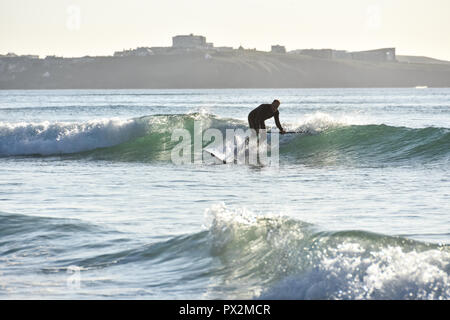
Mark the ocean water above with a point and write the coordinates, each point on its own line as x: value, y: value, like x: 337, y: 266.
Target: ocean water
x: 92, y: 207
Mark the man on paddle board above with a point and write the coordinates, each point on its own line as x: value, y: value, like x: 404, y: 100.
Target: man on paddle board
x: 260, y: 114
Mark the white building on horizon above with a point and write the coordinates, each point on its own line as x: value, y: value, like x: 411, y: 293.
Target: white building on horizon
x: 278, y: 49
x: 191, y: 41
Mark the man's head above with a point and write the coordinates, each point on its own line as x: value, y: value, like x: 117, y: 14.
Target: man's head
x: 276, y: 104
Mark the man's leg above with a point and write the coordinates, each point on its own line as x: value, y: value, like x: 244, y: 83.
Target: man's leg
x: 252, y: 121
x: 262, y: 125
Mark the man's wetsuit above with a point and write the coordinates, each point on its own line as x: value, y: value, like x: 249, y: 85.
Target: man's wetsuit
x: 257, y: 117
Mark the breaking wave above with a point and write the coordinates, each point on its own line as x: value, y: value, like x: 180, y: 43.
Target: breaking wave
x: 320, y: 139
x: 241, y: 254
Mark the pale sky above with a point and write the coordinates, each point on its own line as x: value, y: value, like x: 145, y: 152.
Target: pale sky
x: 73, y: 28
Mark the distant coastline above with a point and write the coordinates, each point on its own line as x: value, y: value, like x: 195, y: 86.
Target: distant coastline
x: 223, y: 67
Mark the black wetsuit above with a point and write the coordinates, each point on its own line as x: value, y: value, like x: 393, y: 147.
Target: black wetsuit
x: 257, y: 117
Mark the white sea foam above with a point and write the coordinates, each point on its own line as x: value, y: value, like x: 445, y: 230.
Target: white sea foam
x: 296, y: 262
x: 388, y: 273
